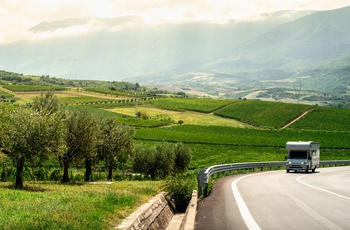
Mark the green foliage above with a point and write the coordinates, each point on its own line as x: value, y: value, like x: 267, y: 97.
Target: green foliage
x: 23, y: 88
x: 183, y: 104
x: 127, y: 93
x: 262, y: 113
x: 4, y: 95
x: 179, y: 190
x: 218, y: 135
x: 324, y: 118
x: 103, y: 114
x: 83, y: 100
x: 144, y: 160
x: 116, y: 144
x: 81, y: 138
x: 162, y: 160
x: 182, y: 157
x: 30, y: 136
x: 47, y: 103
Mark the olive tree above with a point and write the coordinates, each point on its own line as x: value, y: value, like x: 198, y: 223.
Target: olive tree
x: 164, y: 160
x: 47, y: 103
x: 29, y: 136
x: 81, y: 139
x: 116, y: 144
x: 144, y: 161
x: 182, y: 157
x: 157, y: 162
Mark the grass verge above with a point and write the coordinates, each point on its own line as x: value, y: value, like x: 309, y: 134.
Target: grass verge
x: 52, y: 205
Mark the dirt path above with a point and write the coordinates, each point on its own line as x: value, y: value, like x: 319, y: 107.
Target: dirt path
x: 296, y: 119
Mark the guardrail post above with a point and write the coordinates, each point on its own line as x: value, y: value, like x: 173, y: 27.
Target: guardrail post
x: 202, y: 181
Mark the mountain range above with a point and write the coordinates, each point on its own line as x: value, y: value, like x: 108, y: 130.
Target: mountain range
x: 280, y: 49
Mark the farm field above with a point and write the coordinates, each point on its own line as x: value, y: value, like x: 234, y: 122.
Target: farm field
x: 324, y: 118
x: 29, y: 88
x: 114, y: 93
x: 188, y: 117
x: 52, y: 205
x: 217, y: 135
x: 3, y: 93
x: 263, y: 114
x: 184, y: 104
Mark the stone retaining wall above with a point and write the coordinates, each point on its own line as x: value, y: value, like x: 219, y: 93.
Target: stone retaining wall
x: 188, y: 221
x: 155, y: 214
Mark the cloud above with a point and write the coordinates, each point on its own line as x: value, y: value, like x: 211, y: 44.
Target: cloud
x: 17, y: 16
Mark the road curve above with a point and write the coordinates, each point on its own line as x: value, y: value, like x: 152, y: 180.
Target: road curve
x: 278, y: 200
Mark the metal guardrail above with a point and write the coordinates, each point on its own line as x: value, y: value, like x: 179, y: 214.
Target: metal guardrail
x: 204, y: 174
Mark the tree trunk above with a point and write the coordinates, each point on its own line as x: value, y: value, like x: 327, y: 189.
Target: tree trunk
x: 19, y: 172
x: 110, y: 172
x: 3, y: 174
x: 88, y: 171
x: 65, y: 171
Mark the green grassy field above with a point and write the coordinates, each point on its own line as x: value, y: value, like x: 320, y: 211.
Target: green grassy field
x: 184, y: 104
x: 263, y: 114
x: 217, y: 135
x: 188, y: 117
x: 82, y: 99
x: 324, y: 118
x: 17, y: 88
x: 50, y: 205
x: 114, y: 92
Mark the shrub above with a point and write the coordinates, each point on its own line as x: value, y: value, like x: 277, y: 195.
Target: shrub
x: 55, y: 175
x: 179, y: 190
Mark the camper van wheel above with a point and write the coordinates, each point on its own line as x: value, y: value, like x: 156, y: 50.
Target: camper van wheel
x: 287, y: 170
x: 313, y: 170
x: 307, y: 170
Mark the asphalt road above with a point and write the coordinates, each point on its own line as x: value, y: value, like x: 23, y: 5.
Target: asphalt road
x: 278, y: 200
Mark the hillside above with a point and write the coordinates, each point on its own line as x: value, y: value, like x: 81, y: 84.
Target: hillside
x: 312, y: 51
x: 314, y: 42
x: 126, y: 47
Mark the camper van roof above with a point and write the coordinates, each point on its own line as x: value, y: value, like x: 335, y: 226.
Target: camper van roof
x: 299, y: 142
x: 299, y: 145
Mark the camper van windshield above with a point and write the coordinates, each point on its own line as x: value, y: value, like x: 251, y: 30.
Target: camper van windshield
x: 297, y: 154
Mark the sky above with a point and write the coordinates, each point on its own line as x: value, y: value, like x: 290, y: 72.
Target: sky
x: 17, y: 16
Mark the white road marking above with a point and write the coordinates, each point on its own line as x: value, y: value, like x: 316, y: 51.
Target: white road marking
x: 321, y: 189
x: 247, y: 217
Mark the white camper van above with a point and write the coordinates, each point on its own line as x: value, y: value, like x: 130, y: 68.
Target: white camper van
x: 303, y: 155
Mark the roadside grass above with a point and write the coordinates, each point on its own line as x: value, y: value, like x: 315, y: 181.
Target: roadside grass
x: 52, y: 205
x: 187, y: 117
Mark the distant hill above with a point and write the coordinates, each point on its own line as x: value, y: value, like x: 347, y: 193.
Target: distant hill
x: 124, y: 47
x: 300, y: 48
x: 282, y: 49
x: 313, y: 39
